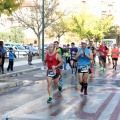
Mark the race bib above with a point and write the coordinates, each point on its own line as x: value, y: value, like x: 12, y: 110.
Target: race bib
x: 114, y: 53
x: 73, y: 56
x: 84, y: 68
x: 51, y: 73
x: 101, y: 53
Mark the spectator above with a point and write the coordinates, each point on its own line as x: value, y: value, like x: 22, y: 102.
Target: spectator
x: 30, y: 58
x: 30, y: 54
x: 11, y: 59
x: 3, y: 54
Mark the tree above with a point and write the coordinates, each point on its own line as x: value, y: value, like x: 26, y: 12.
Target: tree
x: 33, y: 17
x: 14, y: 35
x: 57, y: 29
x: 8, y: 6
x: 81, y: 24
x: 88, y: 26
x: 4, y: 36
x: 112, y: 33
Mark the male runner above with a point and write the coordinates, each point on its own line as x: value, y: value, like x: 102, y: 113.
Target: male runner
x: 92, y: 48
x: 84, y: 56
x: 103, y: 50
x: 60, y: 51
x: 115, y: 55
x: 53, y: 61
x: 73, y: 61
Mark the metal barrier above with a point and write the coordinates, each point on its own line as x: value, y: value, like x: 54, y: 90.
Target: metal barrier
x: 19, y: 54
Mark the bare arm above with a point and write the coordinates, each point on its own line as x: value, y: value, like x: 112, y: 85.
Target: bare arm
x: 77, y: 55
x: 59, y: 58
x: 89, y: 56
x: 44, y: 62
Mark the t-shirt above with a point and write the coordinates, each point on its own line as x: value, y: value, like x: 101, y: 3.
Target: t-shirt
x: 73, y: 52
x: 92, y: 49
x: 103, y: 50
x: 115, y: 52
x: 58, y: 50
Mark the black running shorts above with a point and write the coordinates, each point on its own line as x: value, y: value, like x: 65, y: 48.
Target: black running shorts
x: 102, y: 58
x: 116, y: 59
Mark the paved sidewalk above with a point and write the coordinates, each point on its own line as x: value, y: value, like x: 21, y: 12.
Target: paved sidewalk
x: 19, y: 67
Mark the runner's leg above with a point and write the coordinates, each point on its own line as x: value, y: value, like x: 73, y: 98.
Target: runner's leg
x: 85, y: 78
x: 57, y: 84
x: 49, y: 81
x: 80, y: 78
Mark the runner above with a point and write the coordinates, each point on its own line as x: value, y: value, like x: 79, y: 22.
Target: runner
x: 115, y: 54
x: 84, y: 56
x: 109, y: 54
x: 53, y: 61
x: 92, y: 48
x: 103, y: 50
x: 60, y: 51
x: 73, y: 62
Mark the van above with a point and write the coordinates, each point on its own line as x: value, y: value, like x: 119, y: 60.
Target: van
x: 109, y: 42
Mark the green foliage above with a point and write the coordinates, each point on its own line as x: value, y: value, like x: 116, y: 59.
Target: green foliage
x: 112, y: 33
x: 88, y: 26
x: 8, y: 6
x: 57, y: 29
x: 15, y: 35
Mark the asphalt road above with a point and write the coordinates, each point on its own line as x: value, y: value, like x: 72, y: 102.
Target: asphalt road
x: 29, y: 101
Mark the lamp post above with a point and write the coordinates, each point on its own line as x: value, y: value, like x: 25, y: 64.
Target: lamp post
x: 42, y: 30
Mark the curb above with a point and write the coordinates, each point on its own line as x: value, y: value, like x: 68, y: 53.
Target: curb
x: 6, y: 85
x: 18, y: 72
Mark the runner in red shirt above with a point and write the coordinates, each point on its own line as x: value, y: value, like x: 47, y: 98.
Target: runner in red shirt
x: 103, y: 50
x: 115, y: 55
x: 53, y: 61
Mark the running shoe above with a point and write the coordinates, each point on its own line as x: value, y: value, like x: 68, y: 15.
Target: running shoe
x: 82, y: 88
x: 104, y: 69
x: 101, y: 68
x: 85, y: 92
x: 49, y: 100
x: 60, y: 88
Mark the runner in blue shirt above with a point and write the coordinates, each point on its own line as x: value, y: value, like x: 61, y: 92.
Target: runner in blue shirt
x: 84, y: 56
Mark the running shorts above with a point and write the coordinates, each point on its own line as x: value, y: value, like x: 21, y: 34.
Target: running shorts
x: 102, y: 58
x: 116, y: 59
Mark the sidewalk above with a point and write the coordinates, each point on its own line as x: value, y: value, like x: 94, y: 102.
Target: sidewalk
x: 19, y: 67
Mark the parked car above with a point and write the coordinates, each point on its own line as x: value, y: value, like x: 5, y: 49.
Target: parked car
x: 7, y: 50
x: 19, y: 53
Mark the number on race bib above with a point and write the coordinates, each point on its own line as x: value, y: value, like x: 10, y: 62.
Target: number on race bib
x: 51, y: 73
x: 73, y: 56
x: 84, y: 68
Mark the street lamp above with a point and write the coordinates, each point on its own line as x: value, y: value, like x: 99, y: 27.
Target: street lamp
x: 42, y: 30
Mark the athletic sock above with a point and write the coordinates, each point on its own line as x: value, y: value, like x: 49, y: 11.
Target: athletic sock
x: 85, y: 86
x: 75, y: 70
x: 81, y: 83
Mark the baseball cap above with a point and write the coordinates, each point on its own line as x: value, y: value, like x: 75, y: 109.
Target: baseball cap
x: 91, y: 40
x: 83, y: 41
